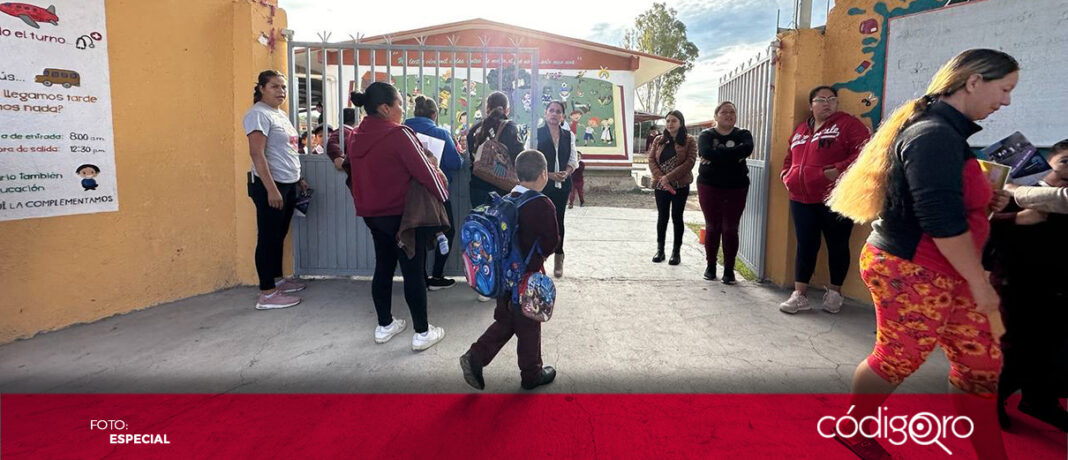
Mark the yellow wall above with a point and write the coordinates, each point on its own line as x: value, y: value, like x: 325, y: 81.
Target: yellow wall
x: 182, y: 75
x: 809, y: 58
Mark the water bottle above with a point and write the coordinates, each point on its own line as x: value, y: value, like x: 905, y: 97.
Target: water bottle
x: 443, y: 244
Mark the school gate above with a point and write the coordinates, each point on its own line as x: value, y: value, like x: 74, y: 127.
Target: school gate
x: 459, y: 64
x: 751, y: 89
x: 331, y: 240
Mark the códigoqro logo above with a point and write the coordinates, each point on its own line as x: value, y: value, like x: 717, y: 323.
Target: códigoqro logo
x: 923, y: 428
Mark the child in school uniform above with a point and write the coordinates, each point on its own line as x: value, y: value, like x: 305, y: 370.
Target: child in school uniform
x: 578, y: 183
x: 537, y: 223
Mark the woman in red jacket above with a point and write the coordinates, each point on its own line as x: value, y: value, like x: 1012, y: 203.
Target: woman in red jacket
x: 385, y: 157
x: 820, y: 150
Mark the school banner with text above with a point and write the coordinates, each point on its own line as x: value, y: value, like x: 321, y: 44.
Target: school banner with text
x: 57, y: 151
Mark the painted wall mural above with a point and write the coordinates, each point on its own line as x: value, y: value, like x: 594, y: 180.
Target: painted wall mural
x: 862, y: 86
x: 591, y: 105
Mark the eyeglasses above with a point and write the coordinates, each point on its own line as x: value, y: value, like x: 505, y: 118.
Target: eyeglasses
x: 824, y: 100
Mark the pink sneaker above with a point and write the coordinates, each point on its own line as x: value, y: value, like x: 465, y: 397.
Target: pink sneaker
x: 289, y: 286
x: 276, y: 300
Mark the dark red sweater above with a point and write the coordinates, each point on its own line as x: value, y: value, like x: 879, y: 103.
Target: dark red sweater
x: 385, y: 157
x: 537, y: 222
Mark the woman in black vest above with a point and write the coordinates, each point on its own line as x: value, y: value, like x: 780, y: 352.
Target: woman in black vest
x: 558, y: 146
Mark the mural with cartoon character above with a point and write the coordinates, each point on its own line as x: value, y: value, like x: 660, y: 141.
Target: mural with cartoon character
x: 586, y: 98
x: 861, y: 89
x: 589, y: 103
x: 88, y: 174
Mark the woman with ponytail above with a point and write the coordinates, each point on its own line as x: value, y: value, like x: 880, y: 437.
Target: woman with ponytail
x: 496, y: 114
x: 385, y: 158
x: 921, y: 184
x: 272, y: 142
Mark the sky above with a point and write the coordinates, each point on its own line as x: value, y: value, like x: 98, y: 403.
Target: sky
x: 727, y: 32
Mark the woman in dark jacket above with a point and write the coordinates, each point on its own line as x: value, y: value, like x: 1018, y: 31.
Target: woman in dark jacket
x: 922, y: 262
x: 425, y: 122
x: 496, y: 112
x: 722, y: 185
x: 385, y: 157
x: 671, y: 161
x: 558, y: 146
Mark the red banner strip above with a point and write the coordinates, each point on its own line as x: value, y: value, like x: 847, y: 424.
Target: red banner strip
x: 517, y: 426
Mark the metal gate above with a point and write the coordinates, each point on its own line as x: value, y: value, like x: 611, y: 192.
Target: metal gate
x: 331, y: 240
x: 751, y: 89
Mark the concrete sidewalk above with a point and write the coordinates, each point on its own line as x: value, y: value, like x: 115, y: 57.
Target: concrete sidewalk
x: 622, y: 325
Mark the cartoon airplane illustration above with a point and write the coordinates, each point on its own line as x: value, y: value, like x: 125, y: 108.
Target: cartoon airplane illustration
x: 31, y: 14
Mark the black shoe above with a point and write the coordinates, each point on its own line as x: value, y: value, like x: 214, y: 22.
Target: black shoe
x: 659, y: 257
x: 472, y: 372
x: 548, y: 374
x: 1051, y: 413
x: 571, y: 206
x: 710, y: 272
x: 675, y: 258
x: 437, y: 284
x: 728, y: 277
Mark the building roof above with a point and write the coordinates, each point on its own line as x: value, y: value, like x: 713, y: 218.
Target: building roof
x: 563, y: 52
x: 701, y: 124
x: 640, y: 116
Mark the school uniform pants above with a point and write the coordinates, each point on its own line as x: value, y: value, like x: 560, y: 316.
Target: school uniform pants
x: 577, y: 188
x: 722, y: 208
x: 387, y: 256
x: 272, y: 225
x: 810, y: 220
x: 507, y: 322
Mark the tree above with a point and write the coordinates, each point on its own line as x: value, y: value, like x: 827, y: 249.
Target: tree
x: 658, y: 31
x: 508, y: 77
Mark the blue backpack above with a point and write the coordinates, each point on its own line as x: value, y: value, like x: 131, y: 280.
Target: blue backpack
x: 493, y: 263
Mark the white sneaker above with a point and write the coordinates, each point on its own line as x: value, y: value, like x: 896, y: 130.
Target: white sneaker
x: 797, y: 302
x: 427, y: 339
x: 832, y: 301
x: 276, y: 300
x: 383, y: 334
x: 482, y: 298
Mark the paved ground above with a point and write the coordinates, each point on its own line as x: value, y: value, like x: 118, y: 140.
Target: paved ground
x: 622, y: 325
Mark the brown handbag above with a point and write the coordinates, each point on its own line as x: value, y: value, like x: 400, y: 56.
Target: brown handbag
x: 493, y: 164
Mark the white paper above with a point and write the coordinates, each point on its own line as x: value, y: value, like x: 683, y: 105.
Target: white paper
x: 434, y: 145
x: 56, y: 141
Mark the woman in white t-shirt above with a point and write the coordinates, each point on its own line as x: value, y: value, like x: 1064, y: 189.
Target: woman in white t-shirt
x: 272, y: 143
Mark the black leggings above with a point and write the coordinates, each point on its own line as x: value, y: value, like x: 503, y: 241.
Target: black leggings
x: 559, y: 198
x: 272, y: 225
x: 668, y: 205
x: 439, y: 258
x: 387, y: 254
x: 809, y: 221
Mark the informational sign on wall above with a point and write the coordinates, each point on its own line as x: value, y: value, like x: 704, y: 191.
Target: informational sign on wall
x: 57, y: 153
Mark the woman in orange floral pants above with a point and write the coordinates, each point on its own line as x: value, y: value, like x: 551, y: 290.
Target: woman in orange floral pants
x: 917, y: 308
x: 920, y: 179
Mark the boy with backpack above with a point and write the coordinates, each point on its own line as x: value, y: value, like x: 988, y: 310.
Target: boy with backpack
x: 536, y: 230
